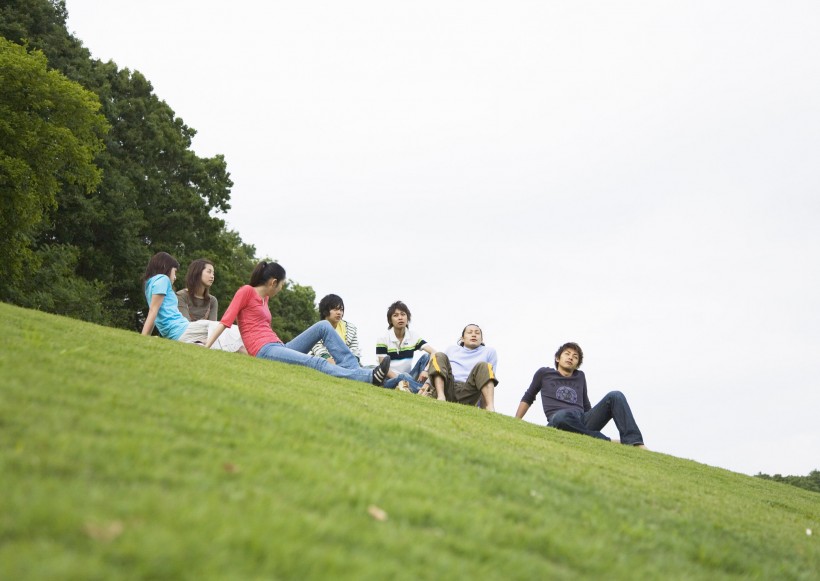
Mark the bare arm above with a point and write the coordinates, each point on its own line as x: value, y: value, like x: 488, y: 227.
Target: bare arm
x: 217, y: 332
x: 523, y: 407
x: 153, y: 309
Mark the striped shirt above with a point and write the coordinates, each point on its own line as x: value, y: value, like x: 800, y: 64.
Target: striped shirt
x: 401, y: 352
x: 350, y: 337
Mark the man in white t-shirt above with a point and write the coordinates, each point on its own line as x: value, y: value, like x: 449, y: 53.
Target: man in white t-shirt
x: 465, y: 373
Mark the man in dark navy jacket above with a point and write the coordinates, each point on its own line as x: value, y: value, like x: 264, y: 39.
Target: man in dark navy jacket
x: 566, y: 404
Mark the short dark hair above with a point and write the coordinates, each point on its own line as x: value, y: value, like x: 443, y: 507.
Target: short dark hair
x: 193, y: 278
x: 328, y: 303
x: 160, y: 263
x: 265, y: 271
x: 575, y: 347
x: 397, y: 306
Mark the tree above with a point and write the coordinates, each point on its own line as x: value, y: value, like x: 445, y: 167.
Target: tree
x: 293, y: 310
x: 155, y: 194
x: 810, y: 482
x: 50, y: 131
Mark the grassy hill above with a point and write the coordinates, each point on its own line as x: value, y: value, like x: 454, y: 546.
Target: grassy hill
x: 123, y: 456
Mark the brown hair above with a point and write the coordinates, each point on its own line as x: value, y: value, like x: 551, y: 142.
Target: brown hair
x: 160, y: 263
x: 193, y: 278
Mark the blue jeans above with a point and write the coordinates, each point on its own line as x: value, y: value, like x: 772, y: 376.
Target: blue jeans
x: 412, y: 377
x: 612, y: 407
x: 296, y: 352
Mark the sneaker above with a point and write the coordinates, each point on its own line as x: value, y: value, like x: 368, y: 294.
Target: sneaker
x: 427, y: 390
x: 380, y: 373
x: 403, y: 385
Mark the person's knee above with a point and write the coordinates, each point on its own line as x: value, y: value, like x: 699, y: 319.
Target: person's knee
x: 482, y: 374
x: 324, y: 324
x: 616, y: 396
x: 439, y: 365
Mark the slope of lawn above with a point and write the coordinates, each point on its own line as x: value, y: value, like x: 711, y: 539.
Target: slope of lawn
x: 124, y: 457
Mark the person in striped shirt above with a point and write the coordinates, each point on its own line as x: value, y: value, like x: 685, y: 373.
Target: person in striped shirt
x: 401, y: 344
x: 332, y: 310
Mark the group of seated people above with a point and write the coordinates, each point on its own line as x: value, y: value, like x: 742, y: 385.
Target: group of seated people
x: 464, y: 373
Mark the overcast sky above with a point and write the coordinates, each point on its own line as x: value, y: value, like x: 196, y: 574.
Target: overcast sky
x: 639, y: 177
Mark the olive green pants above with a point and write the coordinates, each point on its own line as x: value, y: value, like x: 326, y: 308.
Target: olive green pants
x: 466, y: 392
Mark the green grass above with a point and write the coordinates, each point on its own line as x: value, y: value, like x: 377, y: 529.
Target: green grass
x: 123, y: 456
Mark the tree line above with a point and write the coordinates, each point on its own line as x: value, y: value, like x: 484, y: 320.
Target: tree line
x: 810, y: 482
x: 97, y: 174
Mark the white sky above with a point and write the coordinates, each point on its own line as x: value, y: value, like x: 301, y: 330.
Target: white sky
x: 639, y: 177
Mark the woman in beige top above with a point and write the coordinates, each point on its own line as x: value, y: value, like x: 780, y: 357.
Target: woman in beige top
x: 195, y: 302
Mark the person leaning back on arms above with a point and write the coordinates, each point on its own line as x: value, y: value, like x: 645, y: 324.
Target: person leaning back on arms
x: 566, y: 403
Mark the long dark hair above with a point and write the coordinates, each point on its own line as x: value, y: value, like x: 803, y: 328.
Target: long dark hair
x: 160, y: 263
x: 265, y: 271
x: 193, y: 278
x: 461, y: 339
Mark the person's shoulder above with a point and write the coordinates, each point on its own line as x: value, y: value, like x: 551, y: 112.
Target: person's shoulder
x: 413, y: 337
x: 350, y: 326
x: 213, y: 300
x: 183, y: 294
x: 160, y: 281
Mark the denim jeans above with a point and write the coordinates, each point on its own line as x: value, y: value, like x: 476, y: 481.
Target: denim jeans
x: 613, y: 407
x: 296, y: 352
x: 412, y: 377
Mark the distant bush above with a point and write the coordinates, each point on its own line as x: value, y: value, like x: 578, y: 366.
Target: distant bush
x: 810, y: 482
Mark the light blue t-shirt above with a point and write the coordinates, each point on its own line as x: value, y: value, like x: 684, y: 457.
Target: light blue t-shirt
x: 462, y: 360
x: 170, y: 322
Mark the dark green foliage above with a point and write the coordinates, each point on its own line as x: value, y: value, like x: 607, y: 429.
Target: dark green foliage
x: 53, y: 287
x: 810, y: 482
x: 50, y: 131
x: 293, y: 310
x: 155, y: 195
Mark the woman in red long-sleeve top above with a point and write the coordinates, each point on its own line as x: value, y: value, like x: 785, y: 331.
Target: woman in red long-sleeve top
x: 250, y: 307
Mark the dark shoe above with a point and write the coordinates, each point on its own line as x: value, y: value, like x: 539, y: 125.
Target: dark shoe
x: 380, y: 373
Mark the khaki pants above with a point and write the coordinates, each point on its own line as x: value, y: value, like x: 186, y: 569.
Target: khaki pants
x: 466, y: 392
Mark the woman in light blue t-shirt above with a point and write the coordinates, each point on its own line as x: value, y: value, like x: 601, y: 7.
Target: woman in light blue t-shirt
x: 163, y: 306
